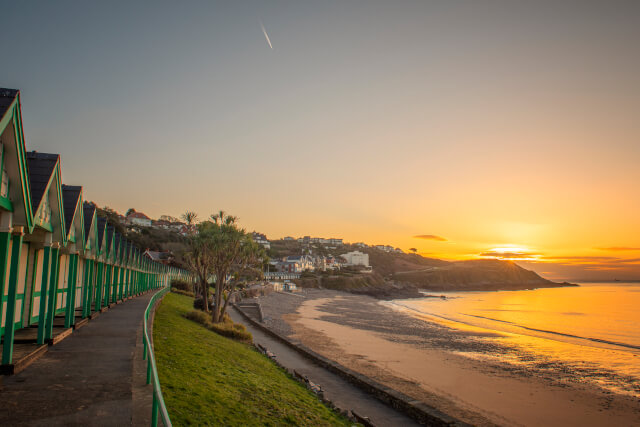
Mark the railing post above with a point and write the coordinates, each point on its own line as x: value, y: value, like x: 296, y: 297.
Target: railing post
x: 144, y: 347
x: 154, y: 413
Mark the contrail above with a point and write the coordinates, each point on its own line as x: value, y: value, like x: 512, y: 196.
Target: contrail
x: 266, y: 36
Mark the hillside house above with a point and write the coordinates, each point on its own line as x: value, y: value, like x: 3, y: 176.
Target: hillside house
x: 138, y: 219
x: 261, y: 239
x: 356, y: 258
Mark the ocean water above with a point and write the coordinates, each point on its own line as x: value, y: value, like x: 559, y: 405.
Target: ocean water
x: 589, y: 333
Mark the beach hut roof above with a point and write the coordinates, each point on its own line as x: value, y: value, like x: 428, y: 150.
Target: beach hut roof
x: 89, y: 210
x: 7, y: 97
x: 70, y: 198
x: 41, y: 168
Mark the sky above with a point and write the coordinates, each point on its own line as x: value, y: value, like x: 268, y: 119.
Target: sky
x: 507, y: 129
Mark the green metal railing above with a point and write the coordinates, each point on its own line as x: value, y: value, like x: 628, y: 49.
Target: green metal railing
x: 152, y: 371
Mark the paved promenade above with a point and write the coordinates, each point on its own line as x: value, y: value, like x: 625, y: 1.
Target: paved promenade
x: 90, y: 378
x: 341, y: 392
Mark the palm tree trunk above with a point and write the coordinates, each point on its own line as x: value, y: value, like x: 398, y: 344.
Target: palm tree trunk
x: 226, y: 302
x: 217, y: 316
x: 205, y: 295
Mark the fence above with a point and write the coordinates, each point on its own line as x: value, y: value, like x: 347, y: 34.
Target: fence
x: 158, y: 405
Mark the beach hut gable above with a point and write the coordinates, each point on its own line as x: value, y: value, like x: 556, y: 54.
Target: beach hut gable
x: 110, y: 243
x: 90, y: 219
x: 101, y: 241
x: 46, y: 193
x: 14, y: 182
x: 73, y: 214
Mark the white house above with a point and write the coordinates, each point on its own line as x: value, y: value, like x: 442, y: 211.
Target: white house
x: 138, y: 218
x: 261, y: 239
x: 356, y: 258
x: 305, y: 262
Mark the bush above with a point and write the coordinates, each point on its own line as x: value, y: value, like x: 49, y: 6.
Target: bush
x: 182, y: 285
x: 199, y: 316
x: 226, y: 328
x: 232, y: 330
x: 198, y: 303
x: 181, y: 292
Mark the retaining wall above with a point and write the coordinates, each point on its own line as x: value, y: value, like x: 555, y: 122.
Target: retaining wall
x: 417, y: 410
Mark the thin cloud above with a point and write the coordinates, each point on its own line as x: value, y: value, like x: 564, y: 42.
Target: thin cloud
x: 580, y: 258
x: 619, y: 248
x: 266, y: 36
x: 592, y: 261
x: 628, y: 261
x: 430, y: 237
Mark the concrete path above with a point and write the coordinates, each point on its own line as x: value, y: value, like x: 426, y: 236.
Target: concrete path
x: 90, y: 378
x: 342, y: 393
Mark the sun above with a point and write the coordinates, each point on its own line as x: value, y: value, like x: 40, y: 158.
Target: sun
x: 510, y: 249
x: 511, y: 252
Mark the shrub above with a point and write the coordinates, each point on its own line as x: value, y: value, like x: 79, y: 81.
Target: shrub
x: 198, y: 303
x: 226, y: 328
x: 232, y: 330
x: 181, y: 292
x: 199, y: 316
x: 182, y: 285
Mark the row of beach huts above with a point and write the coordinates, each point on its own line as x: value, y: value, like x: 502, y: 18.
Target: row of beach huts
x: 60, y: 263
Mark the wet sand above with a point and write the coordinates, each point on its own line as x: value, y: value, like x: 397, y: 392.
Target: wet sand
x: 424, y: 360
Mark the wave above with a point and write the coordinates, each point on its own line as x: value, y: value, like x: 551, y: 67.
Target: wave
x: 557, y: 333
x: 563, y: 334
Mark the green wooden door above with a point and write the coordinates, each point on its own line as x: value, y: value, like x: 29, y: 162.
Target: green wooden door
x: 63, y: 284
x: 37, y: 265
x: 22, y: 279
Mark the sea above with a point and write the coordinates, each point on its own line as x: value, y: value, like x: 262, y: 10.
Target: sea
x: 589, y: 333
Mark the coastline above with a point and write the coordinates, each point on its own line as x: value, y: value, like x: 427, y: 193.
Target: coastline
x: 424, y: 360
x: 396, y: 289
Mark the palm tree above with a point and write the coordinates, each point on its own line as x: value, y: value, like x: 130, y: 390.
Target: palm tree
x: 189, y: 217
x: 227, y: 252
x: 221, y: 218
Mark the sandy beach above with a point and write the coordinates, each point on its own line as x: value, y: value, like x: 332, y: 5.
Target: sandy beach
x: 425, y: 360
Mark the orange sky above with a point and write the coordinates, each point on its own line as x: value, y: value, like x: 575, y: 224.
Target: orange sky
x: 492, y: 124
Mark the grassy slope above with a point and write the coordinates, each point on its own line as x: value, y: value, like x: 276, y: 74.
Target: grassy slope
x: 211, y: 380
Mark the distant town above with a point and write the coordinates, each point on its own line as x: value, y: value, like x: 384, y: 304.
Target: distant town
x: 315, y: 253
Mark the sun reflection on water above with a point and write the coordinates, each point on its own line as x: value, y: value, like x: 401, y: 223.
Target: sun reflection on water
x: 585, y: 334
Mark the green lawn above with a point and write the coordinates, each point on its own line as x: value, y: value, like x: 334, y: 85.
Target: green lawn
x: 207, y: 379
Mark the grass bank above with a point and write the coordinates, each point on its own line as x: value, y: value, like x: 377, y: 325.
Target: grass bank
x: 211, y: 380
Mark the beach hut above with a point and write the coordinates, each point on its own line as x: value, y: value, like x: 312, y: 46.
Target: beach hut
x: 74, y: 222
x: 87, y: 263
x: 42, y: 246
x: 16, y: 217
